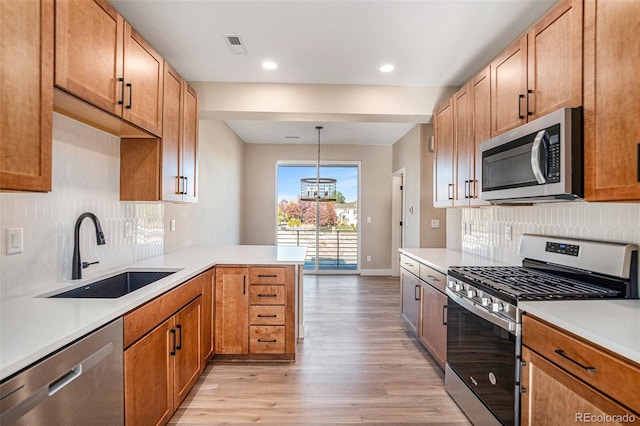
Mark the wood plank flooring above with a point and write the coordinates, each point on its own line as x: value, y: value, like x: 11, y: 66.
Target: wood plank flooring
x: 356, y: 365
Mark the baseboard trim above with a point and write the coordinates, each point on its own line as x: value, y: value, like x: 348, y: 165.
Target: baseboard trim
x: 375, y: 272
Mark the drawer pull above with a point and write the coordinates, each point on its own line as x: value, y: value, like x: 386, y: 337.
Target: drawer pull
x: 267, y: 340
x: 584, y: 367
x: 267, y: 316
x: 267, y: 295
x: 267, y: 276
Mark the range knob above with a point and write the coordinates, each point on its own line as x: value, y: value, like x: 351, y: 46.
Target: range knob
x: 486, y: 301
x: 497, y: 307
x: 471, y: 293
x: 451, y: 284
x: 458, y: 287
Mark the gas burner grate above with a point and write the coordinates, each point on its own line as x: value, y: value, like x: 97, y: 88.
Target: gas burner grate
x: 522, y: 283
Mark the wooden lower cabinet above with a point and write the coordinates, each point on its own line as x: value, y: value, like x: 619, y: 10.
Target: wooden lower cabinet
x: 410, y: 299
x: 255, y: 312
x: 161, y: 368
x: 432, y: 330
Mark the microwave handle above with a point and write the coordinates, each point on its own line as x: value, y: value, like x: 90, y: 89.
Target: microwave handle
x: 541, y: 141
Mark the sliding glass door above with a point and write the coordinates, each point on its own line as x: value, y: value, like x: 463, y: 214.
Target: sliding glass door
x: 328, y: 229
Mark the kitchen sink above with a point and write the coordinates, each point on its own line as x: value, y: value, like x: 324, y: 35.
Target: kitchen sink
x: 116, y: 285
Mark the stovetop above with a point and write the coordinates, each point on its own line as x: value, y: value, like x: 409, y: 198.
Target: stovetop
x: 520, y: 283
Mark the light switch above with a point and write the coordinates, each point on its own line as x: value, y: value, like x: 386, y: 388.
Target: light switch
x: 14, y: 240
x: 368, y: 219
x: 507, y: 233
x: 435, y: 223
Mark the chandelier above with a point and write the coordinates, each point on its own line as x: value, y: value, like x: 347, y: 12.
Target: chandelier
x: 317, y: 188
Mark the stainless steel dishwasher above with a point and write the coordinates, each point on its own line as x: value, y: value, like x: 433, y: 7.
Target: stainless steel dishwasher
x: 81, y: 384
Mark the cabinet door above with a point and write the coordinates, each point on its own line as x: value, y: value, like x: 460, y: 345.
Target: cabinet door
x: 462, y: 110
x: 232, y: 311
x: 88, y: 61
x: 433, y: 327
x: 190, y: 145
x: 171, y: 134
x: 552, y: 396
x: 26, y: 84
x: 481, y: 128
x: 188, y: 354
x: 443, y: 187
x: 509, y: 88
x: 208, y: 310
x: 410, y: 288
x: 148, y: 378
x: 611, y: 101
x: 143, y: 76
x: 555, y: 60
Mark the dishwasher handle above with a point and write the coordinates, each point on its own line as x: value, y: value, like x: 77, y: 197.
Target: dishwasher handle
x: 24, y: 405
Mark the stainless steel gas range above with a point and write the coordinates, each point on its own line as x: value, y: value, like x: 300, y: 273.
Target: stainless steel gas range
x: 484, y: 321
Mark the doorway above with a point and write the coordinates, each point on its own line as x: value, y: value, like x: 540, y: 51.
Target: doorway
x: 329, y: 229
x: 397, y: 220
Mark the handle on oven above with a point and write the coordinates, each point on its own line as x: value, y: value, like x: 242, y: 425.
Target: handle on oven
x: 541, y: 140
x: 504, y: 324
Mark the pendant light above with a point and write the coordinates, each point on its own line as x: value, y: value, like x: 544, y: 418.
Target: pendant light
x: 317, y: 188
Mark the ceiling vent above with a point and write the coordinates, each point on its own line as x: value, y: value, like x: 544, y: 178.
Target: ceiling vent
x: 236, y: 44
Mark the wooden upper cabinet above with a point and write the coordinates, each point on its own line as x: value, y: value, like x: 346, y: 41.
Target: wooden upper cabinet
x: 443, y: 186
x: 611, y: 101
x: 541, y: 72
x: 462, y: 119
x: 555, y: 60
x: 190, y: 145
x: 480, y: 88
x: 102, y: 60
x: 509, y: 88
x: 26, y: 111
x: 172, y: 134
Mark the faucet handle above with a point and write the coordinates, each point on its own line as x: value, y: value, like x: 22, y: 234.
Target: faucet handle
x: 85, y: 265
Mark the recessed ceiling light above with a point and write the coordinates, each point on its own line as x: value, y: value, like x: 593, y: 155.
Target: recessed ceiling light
x: 269, y: 65
x: 387, y: 68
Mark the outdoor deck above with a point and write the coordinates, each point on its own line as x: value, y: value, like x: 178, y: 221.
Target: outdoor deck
x: 338, y: 249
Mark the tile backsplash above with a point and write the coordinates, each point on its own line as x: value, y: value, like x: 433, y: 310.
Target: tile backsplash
x: 86, y: 177
x: 484, y: 230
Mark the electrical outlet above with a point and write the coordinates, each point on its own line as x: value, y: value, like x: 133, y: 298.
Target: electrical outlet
x: 14, y: 240
x: 368, y: 258
x: 128, y: 229
x: 508, y: 234
x: 172, y: 225
x: 368, y: 219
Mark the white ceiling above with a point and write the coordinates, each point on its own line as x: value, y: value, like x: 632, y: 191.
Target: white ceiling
x: 430, y: 42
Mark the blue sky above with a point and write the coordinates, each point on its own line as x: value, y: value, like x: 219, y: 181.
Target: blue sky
x: 289, y: 180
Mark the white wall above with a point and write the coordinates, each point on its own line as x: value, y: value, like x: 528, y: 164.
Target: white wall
x: 86, y: 177
x: 374, y: 200
x: 216, y: 218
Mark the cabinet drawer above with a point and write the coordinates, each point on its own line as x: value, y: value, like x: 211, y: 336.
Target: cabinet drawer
x: 434, y: 278
x: 266, y: 339
x: 410, y: 264
x: 267, y: 275
x: 616, y: 377
x: 267, y: 295
x: 266, y: 315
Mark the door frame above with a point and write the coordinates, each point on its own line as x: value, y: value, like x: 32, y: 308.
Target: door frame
x: 397, y: 216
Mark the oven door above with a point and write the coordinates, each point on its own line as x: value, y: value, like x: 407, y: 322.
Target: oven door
x: 482, y: 353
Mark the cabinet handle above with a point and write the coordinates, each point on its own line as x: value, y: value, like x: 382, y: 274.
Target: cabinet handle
x: 179, y: 327
x: 529, y: 92
x: 267, y: 276
x: 520, y: 97
x: 433, y: 278
x: 130, y: 86
x: 410, y: 265
x: 267, y: 295
x: 467, y: 189
x: 639, y: 162
x: 416, y: 292
x: 121, y: 101
x: 266, y: 316
x: 173, y: 351
x: 565, y: 356
x: 444, y: 315
x: 186, y: 185
x: 450, y: 191
x: 267, y: 340
x: 244, y: 284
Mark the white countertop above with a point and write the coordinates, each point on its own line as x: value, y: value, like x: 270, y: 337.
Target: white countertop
x: 31, y: 327
x: 441, y: 259
x: 612, y: 324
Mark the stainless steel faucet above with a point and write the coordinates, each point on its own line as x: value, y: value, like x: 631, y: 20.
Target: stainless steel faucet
x: 77, y: 265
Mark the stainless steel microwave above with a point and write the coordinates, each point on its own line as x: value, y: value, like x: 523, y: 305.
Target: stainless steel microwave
x: 537, y: 162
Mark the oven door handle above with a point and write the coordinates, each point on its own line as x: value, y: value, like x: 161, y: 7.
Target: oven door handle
x: 504, y: 324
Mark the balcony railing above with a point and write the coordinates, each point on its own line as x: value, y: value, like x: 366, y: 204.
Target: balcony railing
x: 338, y: 249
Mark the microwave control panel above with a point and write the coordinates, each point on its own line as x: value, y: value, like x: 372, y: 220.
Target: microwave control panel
x: 553, y: 155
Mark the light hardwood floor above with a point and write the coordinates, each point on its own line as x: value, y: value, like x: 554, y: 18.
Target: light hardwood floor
x: 356, y: 365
